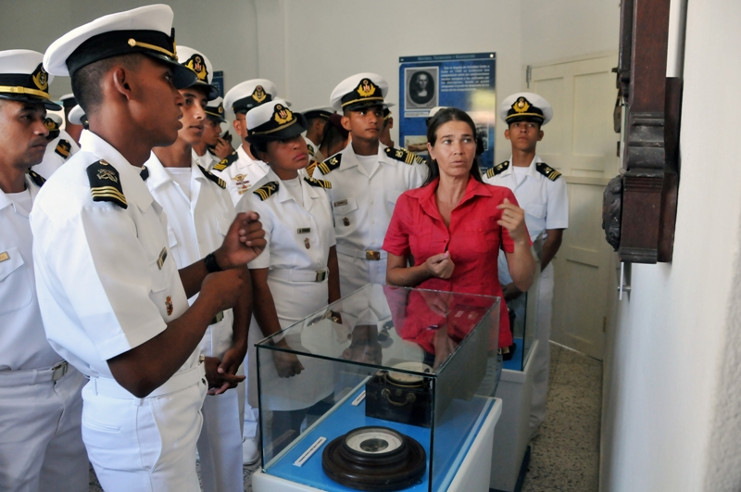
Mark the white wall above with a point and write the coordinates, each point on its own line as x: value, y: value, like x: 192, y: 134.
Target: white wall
x: 225, y: 30
x: 560, y: 29
x: 673, y: 410
x: 670, y: 421
x: 307, y: 47
x: 371, y: 36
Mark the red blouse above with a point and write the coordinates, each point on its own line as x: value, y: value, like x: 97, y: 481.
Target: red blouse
x: 473, y: 240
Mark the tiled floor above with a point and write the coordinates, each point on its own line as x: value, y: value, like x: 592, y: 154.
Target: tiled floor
x: 565, y: 454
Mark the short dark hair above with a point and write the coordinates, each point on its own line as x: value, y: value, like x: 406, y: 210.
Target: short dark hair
x: 86, y: 81
x: 334, y: 132
x: 441, y: 117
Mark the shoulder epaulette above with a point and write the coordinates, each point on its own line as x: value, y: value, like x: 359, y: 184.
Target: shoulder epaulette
x: 144, y: 173
x: 212, y: 177
x: 105, y: 184
x: 264, y: 191
x: 330, y: 164
x: 36, y: 177
x: 226, y: 161
x: 322, y: 183
x: 310, y: 168
x: 63, y: 148
x: 498, y: 169
x: 404, y: 155
x: 547, y: 171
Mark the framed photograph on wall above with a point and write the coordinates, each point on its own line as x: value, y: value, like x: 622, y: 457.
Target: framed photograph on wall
x: 465, y: 81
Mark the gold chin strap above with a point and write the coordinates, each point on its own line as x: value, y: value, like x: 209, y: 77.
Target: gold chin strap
x: 133, y: 42
x: 23, y: 90
x: 282, y: 127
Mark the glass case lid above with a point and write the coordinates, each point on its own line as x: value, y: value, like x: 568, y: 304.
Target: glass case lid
x: 411, y: 332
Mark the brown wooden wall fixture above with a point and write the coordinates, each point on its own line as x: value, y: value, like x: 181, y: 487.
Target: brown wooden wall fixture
x: 640, y: 204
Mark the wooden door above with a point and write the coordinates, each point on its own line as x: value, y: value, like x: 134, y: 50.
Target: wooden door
x: 581, y: 142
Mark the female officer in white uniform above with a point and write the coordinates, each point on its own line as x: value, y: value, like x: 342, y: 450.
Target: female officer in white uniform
x: 297, y: 273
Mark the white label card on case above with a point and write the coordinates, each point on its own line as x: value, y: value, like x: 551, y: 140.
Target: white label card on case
x: 309, y: 452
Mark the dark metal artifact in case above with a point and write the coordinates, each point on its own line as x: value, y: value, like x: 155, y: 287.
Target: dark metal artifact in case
x: 400, y: 397
x: 374, y: 458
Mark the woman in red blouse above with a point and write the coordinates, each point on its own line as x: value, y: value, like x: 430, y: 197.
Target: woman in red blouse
x: 451, y: 228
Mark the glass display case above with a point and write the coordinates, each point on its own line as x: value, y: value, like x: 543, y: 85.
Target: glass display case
x: 523, y: 316
x: 377, y: 391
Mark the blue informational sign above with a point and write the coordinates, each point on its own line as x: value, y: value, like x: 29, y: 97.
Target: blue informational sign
x: 466, y: 81
x: 218, y: 81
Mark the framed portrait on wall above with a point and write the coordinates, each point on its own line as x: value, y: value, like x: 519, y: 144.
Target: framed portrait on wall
x: 421, y: 85
x: 465, y: 81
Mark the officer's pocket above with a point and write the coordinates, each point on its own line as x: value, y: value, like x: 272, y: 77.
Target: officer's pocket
x: 343, y: 210
x: 159, y: 283
x: 16, y: 281
x: 537, y: 209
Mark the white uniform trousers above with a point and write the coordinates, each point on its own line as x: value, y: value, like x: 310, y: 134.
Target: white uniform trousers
x: 145, y: 444
x: 251, y: 414
x: 542, y: 361
x: 220, y: 444
x: 40, y: 442
x: 356, y: 271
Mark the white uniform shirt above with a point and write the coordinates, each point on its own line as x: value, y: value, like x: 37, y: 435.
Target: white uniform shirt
x: 363, y: 203
x: 311, y: 146
x: 195, y: 227
x: 242, y: 174
x: 57, y: 152
x: 23, y: 342
x: 207, y: 161
x: 299, y: 239
x: 105, y: 279
x: 545, y: 202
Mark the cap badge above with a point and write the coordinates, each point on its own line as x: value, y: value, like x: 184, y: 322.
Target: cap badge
x: 521, y: 105
x: 282, y: 114
x: 40, y: 78
x: 197, y: 64
x: 50, y: 124
x: 366, y: 88
x: 108, y: 175
x: 259, y: 94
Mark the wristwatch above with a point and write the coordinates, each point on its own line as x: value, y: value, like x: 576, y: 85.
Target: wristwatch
x: 211, y: 265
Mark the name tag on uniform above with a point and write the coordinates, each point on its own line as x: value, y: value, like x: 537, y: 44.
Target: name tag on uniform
x: 340, y: 203
x: 303, y: 230
x: 4, y: 256
x: 162, y: 258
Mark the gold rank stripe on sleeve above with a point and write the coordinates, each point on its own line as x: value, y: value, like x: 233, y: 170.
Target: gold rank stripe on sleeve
x: 161, y: 258
x: 266, y: 190
x: 36, y: 177
x: 63, y: 148
x: 213, y: 177
x: 329, y: 165
x: 226, y: 161
x: 105, y: 185
x: 310, y: 168
x: 321, y: 183
x: 498, y: 169
x: 547, y: 171
x: 403, y: 155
